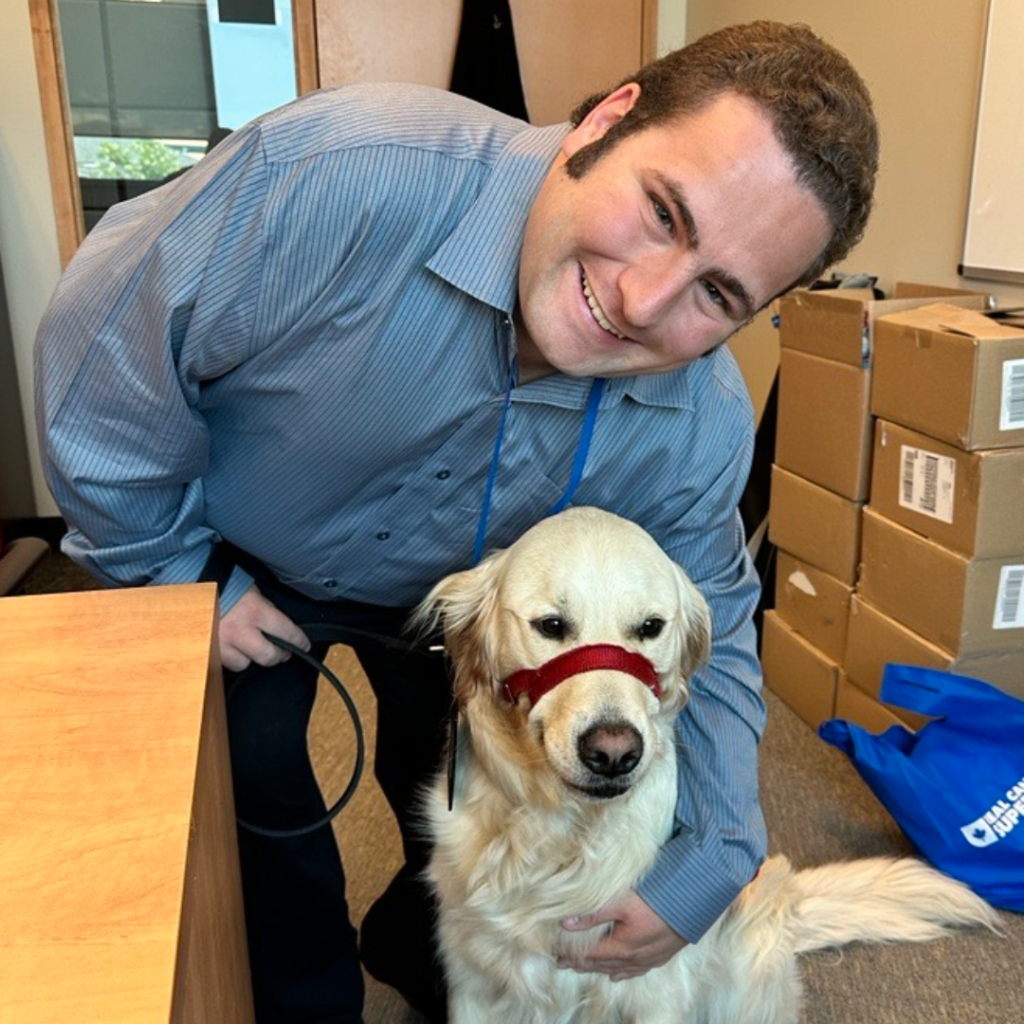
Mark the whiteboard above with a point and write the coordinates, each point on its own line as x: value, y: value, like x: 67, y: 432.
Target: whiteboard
x: 994, y: 240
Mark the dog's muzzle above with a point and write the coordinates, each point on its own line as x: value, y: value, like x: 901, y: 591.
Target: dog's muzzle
x: 535, y: 682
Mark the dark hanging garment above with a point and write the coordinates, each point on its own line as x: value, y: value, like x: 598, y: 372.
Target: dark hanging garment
x: 486, y: 66
x: 754, y: 504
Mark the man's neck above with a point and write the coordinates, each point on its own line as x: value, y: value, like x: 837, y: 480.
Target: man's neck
x: 530, y: 363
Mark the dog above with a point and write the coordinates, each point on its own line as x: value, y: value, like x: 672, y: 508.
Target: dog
x: 571, y: 652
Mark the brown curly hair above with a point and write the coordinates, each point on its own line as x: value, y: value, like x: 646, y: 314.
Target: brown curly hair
x: 819, y: 106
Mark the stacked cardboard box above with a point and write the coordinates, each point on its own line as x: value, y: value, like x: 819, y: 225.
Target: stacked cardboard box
x: 820, y: 485
x: 942, y: 560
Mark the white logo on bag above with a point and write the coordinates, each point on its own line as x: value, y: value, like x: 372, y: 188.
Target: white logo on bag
x: 999, y: 820
x: 979, y: 833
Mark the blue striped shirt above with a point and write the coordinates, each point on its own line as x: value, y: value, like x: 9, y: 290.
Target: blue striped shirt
x: 303, y: 345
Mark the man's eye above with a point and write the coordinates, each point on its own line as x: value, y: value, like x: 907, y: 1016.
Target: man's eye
x: 715, y: 295
x: 661, y: 212
x: 551, y: 626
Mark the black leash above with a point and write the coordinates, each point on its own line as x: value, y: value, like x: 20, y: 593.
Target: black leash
x: 218, y: 569
x: 330, y: 634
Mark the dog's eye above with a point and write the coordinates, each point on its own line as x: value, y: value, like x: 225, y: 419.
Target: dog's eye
x: 550, y: 626
x: 650, y: 628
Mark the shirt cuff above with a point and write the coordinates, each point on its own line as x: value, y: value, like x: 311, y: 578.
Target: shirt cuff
x: 690, y: 887
x: 189, y: 568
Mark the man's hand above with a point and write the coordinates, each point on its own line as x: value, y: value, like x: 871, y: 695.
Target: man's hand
x: 638, y: 941
x: 241, y: 633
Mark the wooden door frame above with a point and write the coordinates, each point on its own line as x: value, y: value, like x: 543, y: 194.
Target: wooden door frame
x: 57, y: 128
x: 60, y: 147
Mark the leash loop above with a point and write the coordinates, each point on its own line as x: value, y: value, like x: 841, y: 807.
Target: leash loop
x: 330, y: 633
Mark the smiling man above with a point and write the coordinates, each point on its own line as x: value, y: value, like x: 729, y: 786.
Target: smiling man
x: 658, y: 252
x: 384, y: 329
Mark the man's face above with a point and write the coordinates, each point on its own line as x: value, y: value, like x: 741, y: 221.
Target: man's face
x: 668, y: 244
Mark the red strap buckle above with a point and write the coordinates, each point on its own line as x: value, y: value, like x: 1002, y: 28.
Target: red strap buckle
x: 535, y: 682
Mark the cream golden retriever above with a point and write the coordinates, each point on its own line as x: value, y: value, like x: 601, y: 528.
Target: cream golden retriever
x: 572, y: 650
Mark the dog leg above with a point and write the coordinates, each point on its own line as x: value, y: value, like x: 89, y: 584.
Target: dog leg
x: 465, y: 1008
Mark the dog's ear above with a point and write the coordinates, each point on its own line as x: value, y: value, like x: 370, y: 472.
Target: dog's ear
x: 695, y: 624
x: 464, y: 605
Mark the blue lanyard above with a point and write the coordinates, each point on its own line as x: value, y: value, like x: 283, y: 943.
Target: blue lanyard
x: 575, y: 475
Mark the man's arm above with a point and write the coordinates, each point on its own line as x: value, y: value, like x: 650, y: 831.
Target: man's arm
x: 158, y: 299
x: 720, y: 838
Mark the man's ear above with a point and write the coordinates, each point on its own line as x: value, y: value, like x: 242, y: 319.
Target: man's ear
x: 612, y: 109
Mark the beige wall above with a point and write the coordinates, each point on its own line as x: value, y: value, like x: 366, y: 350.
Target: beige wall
x: 921, y: 60
x: 28, y: 229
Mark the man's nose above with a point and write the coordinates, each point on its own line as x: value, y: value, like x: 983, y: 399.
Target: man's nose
x: 651, y: 287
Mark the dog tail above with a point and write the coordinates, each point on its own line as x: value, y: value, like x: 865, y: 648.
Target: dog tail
x: 878, y: 899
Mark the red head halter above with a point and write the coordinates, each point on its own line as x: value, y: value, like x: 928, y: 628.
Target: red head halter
x: 535, y: 682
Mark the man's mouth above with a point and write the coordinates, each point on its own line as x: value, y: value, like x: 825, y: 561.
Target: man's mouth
x: 597, y: 311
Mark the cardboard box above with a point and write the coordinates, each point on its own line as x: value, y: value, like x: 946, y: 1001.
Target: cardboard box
x: 839, y: 323
x: 912, y: 290
x: 854, y: 705
x: 971, y: 502
x: 798, y: 672
x: 824, y: 425
x: 813, y: 603
x: 967, y: 606
x: 815, y: 525
x: 951, y: 373
x: 874, y: 639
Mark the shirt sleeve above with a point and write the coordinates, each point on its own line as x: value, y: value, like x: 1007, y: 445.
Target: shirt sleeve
x: 160, y: 298
x: 720, y: 837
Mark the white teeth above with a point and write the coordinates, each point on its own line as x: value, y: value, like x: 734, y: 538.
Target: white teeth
x: 598, y: 311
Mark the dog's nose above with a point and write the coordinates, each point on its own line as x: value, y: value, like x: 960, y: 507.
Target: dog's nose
x: 611, y: 748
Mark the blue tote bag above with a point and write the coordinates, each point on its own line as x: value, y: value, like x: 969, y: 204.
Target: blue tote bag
x: 956, y: 786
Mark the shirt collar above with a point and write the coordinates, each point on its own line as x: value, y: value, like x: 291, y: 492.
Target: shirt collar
x: 668, y: 390
x: 481, y: 256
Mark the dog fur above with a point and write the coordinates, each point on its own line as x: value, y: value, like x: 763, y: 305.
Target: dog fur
x: 535, y: 835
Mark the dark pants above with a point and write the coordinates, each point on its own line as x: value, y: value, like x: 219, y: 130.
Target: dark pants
x: 303, y: 949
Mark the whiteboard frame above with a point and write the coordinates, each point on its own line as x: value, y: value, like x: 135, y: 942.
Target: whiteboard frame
x: 1002, y: 57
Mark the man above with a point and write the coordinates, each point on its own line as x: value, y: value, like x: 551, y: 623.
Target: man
x: 356, y: 343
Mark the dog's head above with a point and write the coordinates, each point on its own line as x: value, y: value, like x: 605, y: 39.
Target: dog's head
x: 581, y: 579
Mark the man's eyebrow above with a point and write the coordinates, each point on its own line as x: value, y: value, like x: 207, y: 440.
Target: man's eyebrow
x: 736, y: 289
x: 682, y: 207
x: 728, y: 282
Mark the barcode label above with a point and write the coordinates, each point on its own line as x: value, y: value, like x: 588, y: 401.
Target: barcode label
x: 1009, y: 603
x: 1011, y: 412
x: 927, y: 482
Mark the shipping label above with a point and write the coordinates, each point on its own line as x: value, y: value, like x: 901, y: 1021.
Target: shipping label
x: 927, y: 482
x: 1010, y: 598
x: 1011, y: 410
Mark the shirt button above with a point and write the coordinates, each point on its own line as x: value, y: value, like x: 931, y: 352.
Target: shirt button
x: 383, y: 535
x: 444, y: 474
x: 330, y: 584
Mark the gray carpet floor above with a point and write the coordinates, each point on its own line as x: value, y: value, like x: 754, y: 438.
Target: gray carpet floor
x: 817, y: 810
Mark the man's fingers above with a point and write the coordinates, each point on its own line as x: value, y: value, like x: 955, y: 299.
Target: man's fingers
x: 278, y: 624
x: 250, y: 647
x: 583, y: 922
x: 245, y: 628
x: 234, y: 660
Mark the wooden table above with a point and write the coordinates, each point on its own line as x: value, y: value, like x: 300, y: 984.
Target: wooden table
x: 120, y: 899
